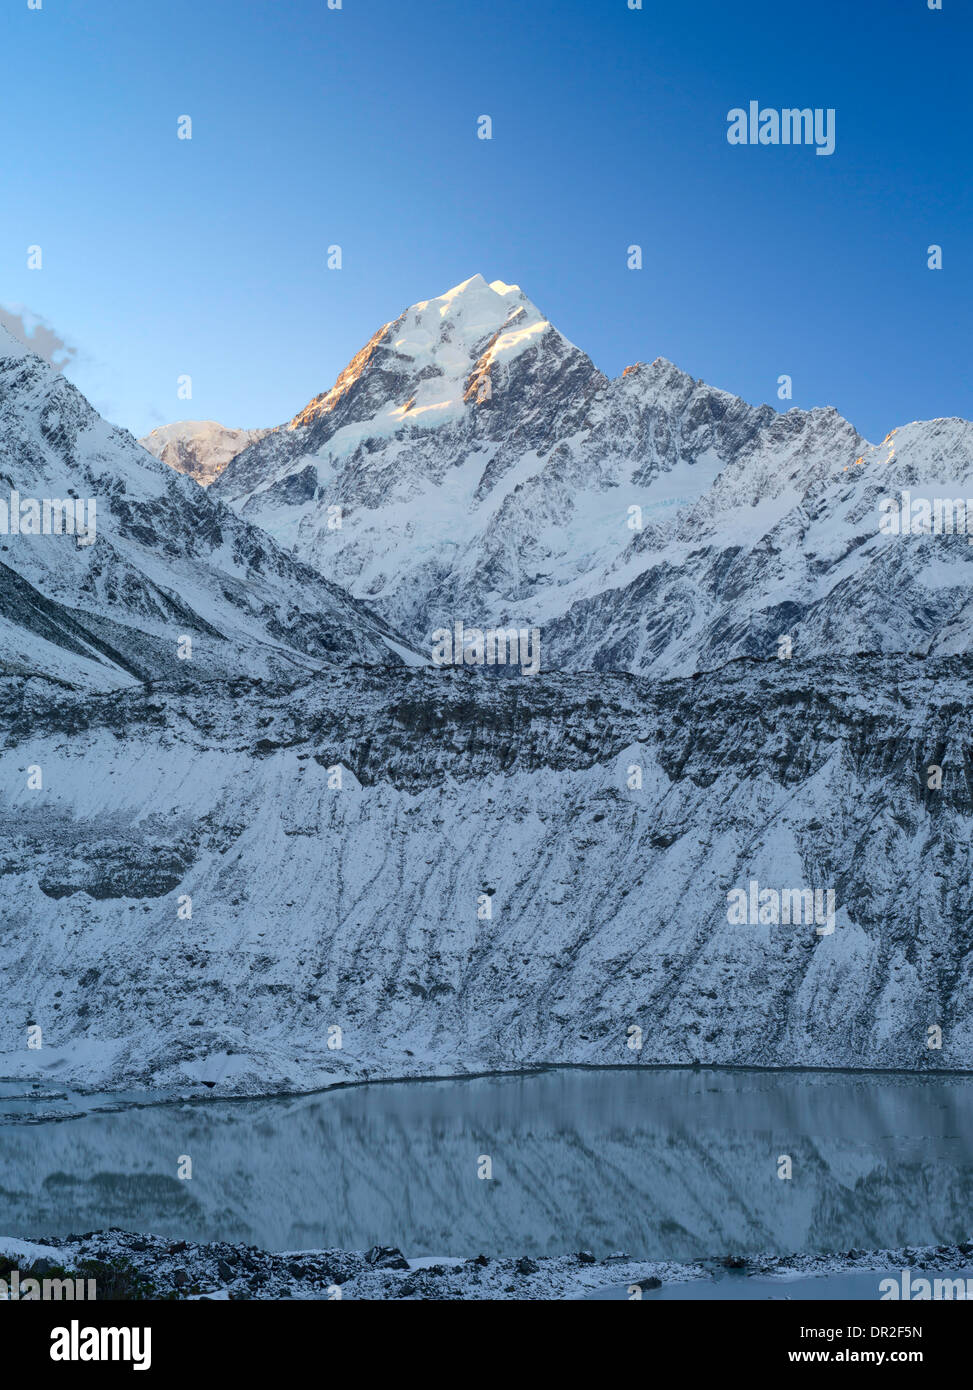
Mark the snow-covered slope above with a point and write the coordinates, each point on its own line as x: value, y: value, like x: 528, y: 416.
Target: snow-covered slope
x: 486, y: 472
x: 763, y: 554
x: 162, y: 561
x: 315, y: 905
x: 201, y: 448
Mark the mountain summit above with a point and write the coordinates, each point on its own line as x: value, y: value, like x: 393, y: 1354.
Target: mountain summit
x: 201, y: 448
x: 442, y: 350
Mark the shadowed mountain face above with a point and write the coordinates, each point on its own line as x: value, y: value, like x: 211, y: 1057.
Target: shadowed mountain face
x: 472, y: 465
x: 356, y: 899
x: 162, y: 562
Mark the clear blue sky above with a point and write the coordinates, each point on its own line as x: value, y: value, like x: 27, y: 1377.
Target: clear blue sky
x: 357, y: 126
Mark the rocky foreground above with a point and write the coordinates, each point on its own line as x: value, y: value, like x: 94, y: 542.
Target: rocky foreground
x: 129, y: 1266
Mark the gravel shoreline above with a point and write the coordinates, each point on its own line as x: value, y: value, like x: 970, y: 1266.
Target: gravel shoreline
x: 157, y: 1267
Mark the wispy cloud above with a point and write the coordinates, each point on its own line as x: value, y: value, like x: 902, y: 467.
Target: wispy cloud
x: 37, y: 334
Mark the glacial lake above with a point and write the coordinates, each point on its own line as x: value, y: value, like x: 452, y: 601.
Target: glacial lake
x: 661, y: 1164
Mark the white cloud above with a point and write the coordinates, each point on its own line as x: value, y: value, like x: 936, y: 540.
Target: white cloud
x: 37, y: 334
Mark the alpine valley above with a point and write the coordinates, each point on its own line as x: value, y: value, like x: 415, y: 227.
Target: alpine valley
x: 214, y: 856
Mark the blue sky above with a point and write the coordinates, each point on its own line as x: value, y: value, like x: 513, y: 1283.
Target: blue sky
x: 358, y: 127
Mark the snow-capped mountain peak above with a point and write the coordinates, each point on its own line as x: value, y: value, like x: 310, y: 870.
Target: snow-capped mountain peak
x: 430, y: 363
x: 201, y: 448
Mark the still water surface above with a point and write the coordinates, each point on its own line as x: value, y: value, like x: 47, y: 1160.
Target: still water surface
x: 661, y: 1164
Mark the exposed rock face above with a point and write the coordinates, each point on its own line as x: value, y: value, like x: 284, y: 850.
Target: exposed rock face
x: 314, y: 905
x: 201, y: 448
